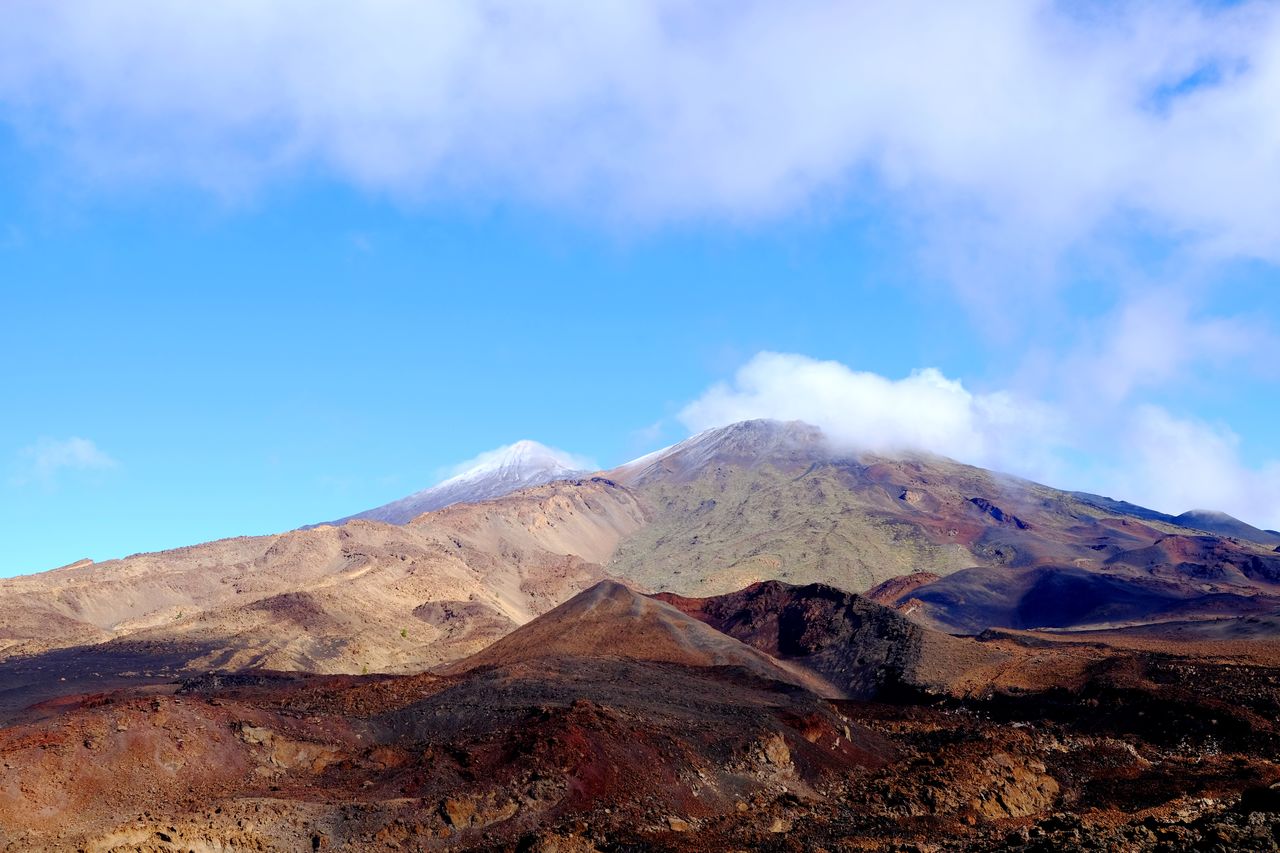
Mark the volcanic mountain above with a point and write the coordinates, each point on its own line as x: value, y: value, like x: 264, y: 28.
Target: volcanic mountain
x: 1203, y: 520
x: 950, y: 546
x: 365, y: 596
x: 765, y: 500
x: 498, y: 473
x: 610, y: 620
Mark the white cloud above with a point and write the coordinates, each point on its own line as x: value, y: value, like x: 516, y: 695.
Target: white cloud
x: 1033, y: 121
x: 44, y: 460
x: 924, y: 411
x: 1140, y: 453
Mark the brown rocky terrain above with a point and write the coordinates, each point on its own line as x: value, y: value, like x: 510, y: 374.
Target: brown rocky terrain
x: 612, y: 621
x: 363, y: 597
x: 561, y: 738
x: 866, y: 650
x: 517, y: 556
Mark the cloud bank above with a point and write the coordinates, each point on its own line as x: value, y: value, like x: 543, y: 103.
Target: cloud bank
x: 1040, y: 119
x: 1139, y: 453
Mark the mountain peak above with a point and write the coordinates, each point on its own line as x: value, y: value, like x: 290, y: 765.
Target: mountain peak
x: 1215, y: 514
x: 743, y: 443
x: 1222, y: 524
x: 612, y: 620
x: 492, y: 474
x: 525, y: 455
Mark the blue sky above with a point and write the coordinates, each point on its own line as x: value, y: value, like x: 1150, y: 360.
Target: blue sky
x: 241, y: 291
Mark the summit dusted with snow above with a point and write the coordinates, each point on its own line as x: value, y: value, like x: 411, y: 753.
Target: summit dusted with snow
x: 490, y: 475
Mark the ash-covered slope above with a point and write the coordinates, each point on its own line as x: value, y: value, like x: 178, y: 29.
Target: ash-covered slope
x: 1206, y: 520
x: 1072, y: 598
x: 869, y: 651
x: 509, y: 469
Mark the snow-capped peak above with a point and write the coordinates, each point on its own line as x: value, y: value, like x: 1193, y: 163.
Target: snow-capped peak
x: 520, y: 460
x: 492, y: 474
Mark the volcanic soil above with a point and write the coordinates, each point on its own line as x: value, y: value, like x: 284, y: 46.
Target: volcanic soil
x: 669, y: 732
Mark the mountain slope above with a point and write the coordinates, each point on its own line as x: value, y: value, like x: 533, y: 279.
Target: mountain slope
x: 524, y: 741
x: 516, y: 466
x: 957, y: 547
x: 1175, y: 577
x: 1206, y: 520
x: 867, y: 650
x: 747, y: 444
x: 1221, y: 524
x: 751, y: 502
x: 610, y: 620
x: 761, y: 500
x: 335, y: 599
x: 1068, y: 597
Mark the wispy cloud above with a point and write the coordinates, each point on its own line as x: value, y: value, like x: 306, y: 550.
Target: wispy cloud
x: 42, y: 462
x: 1139, y: 452
x: 1154, y: 340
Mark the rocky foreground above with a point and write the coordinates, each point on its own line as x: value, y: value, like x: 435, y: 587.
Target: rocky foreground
x: 619, y: 722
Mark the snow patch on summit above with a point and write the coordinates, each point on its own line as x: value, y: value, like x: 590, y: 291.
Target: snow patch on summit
x: 492, y: 474
x: 515, y: 460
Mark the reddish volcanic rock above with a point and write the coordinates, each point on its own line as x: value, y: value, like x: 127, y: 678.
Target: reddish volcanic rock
x: 893, y: 590
x: 571, y: 738
x: 864, y: 648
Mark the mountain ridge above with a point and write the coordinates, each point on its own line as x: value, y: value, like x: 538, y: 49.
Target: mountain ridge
x: 952, y: 546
